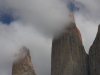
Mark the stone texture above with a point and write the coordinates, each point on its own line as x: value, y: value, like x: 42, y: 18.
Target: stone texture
x: 68, y: 54
x: 23, y: 65
x: 94, y: 55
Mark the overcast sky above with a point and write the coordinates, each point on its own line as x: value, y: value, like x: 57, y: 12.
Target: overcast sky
x: 33, y: 23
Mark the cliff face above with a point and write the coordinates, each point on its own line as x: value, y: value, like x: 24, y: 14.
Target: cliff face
x: 23, y: 66
x: 94, y: 55
x: 68, y: 54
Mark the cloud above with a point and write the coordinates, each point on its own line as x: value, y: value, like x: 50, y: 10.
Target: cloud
x: 37, y: 22
x: 89, y: 8
x: 47, y: 16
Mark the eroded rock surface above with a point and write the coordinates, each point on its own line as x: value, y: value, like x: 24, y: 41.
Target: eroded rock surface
x: 23, y: 65
x: 68, y: 54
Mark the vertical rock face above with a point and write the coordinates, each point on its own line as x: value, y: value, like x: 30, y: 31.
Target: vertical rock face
x: 23, y: 64
x: 94, y: 55
x: 68, y: 54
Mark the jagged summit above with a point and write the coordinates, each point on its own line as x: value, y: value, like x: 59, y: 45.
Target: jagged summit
x: 23, y: 66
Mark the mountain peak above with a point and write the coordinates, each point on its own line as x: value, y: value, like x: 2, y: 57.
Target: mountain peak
x: 68, y: 54
x: 23, y: 66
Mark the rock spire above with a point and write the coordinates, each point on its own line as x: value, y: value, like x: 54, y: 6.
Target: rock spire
x: 68, y: 54
x: 23, y: 66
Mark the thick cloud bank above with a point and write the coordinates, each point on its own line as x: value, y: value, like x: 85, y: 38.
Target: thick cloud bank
x: 47, y: 16
x: 36, y: 23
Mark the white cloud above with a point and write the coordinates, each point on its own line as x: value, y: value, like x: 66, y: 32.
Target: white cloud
x: 46, y: 16
x: 38, y: 19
